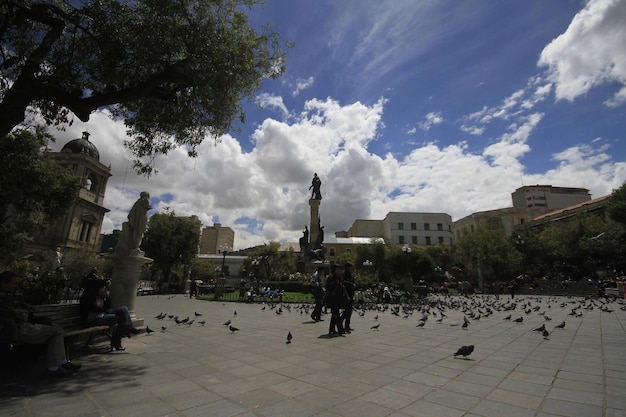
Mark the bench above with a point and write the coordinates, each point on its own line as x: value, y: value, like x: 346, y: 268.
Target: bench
x: 68, y: 317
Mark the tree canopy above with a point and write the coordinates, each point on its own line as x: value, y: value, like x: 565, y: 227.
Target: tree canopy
x: 174, y: 71
x: 35, y: 189
x: 171, y: 241
x: 616, y: 206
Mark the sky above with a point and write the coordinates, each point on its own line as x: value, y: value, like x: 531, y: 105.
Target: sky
x: 400, y: 105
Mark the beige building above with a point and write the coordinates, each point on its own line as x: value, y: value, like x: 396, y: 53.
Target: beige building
x: 216, y: 239
x: 529, y: 202
x: 548, y: 197
x: 406, y: 228
x: 81, y: 225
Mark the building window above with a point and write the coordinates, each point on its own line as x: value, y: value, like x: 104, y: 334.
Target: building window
x: 348, y: 250
x: 85, y: 232
x: 331, y: 251
x: 401, y: 240
x: 427, y: 240
x: 400, y: 226
x: 441, y: 239
x: 439, y: 226
x: 426, y: 226
x: 414, y: 240
x: 413, y: 226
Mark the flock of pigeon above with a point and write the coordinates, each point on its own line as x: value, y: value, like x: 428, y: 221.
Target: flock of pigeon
x: 435, y: 308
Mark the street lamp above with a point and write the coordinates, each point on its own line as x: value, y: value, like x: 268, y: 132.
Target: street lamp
x: 408, y: 282
x: 519, y: 243
x: 223, y: 248
x: 366, y: 264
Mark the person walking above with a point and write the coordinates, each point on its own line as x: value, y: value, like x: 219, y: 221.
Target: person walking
x: 348, y: 294
x: 317, y: 289
x: 334, y: 297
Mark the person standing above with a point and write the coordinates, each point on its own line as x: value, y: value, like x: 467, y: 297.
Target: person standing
x: 318, y: 293
x: 348, y: 294
x: 334, y: 297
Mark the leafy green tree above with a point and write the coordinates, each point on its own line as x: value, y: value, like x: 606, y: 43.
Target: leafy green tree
x: 267, y: 263
x: 171, y: 241
x: 35, y: 189
x: 616, y: 206
x: 489, y: 253
x: 174, y: 71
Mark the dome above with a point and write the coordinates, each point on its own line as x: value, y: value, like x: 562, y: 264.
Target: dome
x: 82, y: 145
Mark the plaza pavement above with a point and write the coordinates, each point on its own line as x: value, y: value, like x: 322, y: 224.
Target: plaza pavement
x: 397, y: 370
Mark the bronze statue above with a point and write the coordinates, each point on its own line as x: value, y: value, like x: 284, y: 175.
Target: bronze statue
x: 315, y: 186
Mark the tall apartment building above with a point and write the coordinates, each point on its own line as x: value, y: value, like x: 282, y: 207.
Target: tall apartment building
x: 529, y: 202
x: 407, y: 228
x: 215, y: 238
x: 547, y: 196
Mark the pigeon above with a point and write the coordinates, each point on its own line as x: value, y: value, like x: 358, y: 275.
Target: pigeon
x: 163, y: 328
x: 375, y: 327
x: 202, y: 322
x: 149, y: 330
x: 235, y: 313
x: 289, y: 337
x: 197, y: 314
x: 560, y: 326
x: 519, y: 320
x: 507, y: 317
x: 233, y: 329
x: 545, y: 334
x: 540, y: 328
x: 190, y: 322
x: 464, y: 351
x: 226, y: 323
x: 464, y: 326
x: 376, y: 317
x: 420, y: 324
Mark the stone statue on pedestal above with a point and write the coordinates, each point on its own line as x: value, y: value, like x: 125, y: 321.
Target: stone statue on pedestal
x: 134, y: 228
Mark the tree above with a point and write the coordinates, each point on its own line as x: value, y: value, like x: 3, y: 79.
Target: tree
x: 35, y: 189
x: 489, y: 253
x: 174, y: 71
x: 171, y: 241
x: 616, y: 206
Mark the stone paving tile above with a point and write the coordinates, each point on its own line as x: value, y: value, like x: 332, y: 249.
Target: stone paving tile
x: 190, y: 399
x: 571, y: 409
x: 517, y: 399
x: 426, y: 408
x: 359, y: 408
x: 388, y: 399
x: 487, y: 408
x: 524, y: 387
x: 452, y: 399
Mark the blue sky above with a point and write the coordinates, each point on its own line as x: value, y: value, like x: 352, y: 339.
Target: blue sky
x: 400, y: 105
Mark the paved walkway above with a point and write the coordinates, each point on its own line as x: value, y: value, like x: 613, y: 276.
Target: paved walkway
x: 397, y: 370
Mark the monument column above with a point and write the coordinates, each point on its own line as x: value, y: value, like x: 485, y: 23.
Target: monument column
x: 314, y: 226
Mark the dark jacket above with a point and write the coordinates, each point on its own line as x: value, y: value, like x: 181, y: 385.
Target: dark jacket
x: 334, y: 291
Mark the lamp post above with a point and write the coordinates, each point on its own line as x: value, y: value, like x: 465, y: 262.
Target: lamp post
x: 366, y: 265
x: 255, y: 268
x: 519, y: 243
x: 408, y: 282
x: 224, y: 248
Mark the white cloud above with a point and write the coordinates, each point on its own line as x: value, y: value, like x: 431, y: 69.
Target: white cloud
x: 263, y: 194
x: 590, y: 52
x: 270, y: 100
x: 431, y: 119
x: 302, y: 84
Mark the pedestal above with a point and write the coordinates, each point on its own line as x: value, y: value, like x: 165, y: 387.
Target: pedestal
x: 126, y: 274
x: 314, y: 222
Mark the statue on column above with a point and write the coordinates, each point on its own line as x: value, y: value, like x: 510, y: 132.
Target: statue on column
x: 316, y: 184
x: 134, y: 228
x: 304, y: 240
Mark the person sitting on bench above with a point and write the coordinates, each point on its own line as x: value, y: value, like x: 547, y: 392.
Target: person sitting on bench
x: 95, y: 311
x: 33, y: 333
